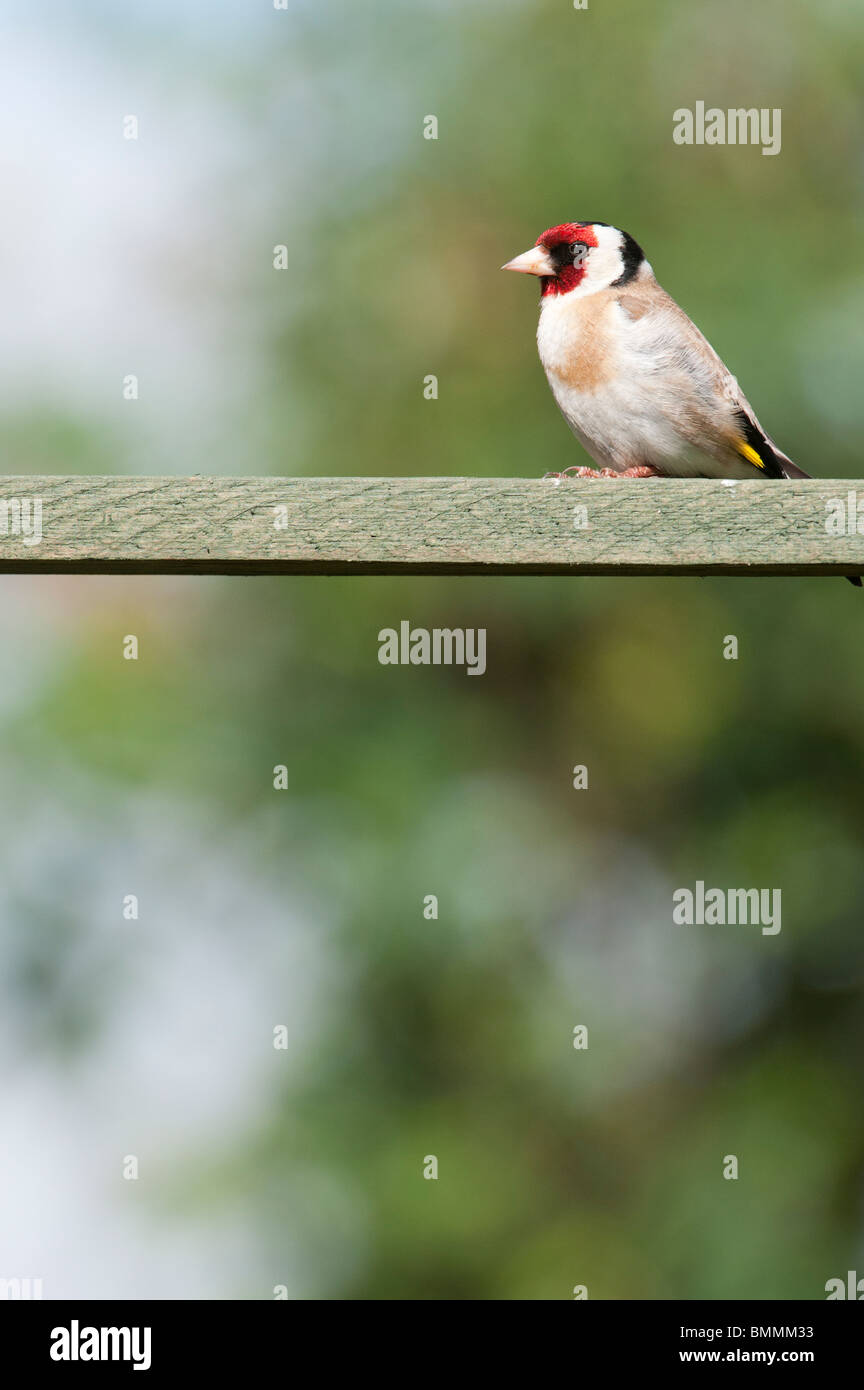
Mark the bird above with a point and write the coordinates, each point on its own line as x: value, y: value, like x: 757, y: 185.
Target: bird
x: 641, y: 388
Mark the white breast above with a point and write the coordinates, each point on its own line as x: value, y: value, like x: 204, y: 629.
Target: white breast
x: 604, y: 374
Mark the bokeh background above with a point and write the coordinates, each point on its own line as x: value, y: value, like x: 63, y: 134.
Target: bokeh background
x: 407, y: 1037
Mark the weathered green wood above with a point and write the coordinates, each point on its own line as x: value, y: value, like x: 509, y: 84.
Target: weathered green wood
x: 213, y: 525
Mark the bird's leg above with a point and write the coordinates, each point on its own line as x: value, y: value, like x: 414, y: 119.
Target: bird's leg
x: 643, y: 470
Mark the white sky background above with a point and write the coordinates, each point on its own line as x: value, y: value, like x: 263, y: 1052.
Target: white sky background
x: 180, y: 1070
x: 121, y: 256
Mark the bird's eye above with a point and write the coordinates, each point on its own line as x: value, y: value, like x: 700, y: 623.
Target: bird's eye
x: 578, y: 251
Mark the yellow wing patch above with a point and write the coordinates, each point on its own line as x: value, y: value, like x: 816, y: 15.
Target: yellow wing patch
x: 749, y: 453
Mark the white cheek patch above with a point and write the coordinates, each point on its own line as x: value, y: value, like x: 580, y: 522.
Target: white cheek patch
x: 603, y: 263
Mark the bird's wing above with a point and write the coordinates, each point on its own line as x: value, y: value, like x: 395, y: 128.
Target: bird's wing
x: 699, y: 394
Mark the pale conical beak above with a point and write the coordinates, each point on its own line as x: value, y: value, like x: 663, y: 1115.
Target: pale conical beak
x: 533, y: 262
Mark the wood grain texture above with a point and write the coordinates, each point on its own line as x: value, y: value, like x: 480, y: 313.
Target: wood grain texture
x: 214, y: 525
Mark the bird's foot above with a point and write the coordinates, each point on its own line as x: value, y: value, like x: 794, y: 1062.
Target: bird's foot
x: 642, y: 470
x: 575, y: 471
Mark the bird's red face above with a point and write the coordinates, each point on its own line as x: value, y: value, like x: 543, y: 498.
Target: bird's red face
x: 559, y: 257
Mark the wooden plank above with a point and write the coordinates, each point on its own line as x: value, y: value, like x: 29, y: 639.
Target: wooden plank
x: 214, y: 525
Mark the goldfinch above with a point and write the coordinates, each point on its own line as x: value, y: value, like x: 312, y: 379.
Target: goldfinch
x: 643, y: 391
